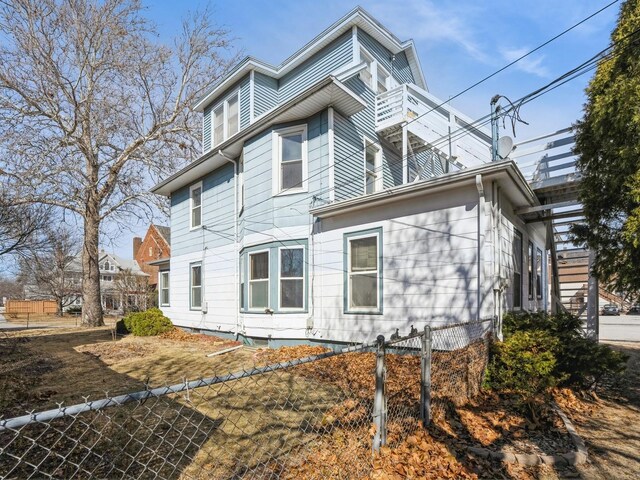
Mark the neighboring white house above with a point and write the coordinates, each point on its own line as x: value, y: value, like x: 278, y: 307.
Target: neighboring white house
x: 122, y: 284
x: 336, y: 199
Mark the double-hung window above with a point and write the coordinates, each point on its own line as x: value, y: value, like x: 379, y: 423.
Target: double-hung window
x: 292, y: 278
x: 259, y: 280
x: 538, y: 274
x: 372, y: 167
x: 374, y: 75
x: 164, y: 289
x: 517, y: 269
x: 195, y: 285
x: 290, y: 155
x: 226, y: 120
x: 195, y: 200
x: 363, y: 274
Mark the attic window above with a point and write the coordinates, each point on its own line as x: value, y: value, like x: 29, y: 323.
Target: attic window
x: 226, y: 118
x: 374, y: 76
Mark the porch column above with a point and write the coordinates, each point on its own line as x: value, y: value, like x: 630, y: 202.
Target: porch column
x: 405, y: 154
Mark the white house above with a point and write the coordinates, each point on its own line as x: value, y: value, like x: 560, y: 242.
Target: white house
x: 337, y: 199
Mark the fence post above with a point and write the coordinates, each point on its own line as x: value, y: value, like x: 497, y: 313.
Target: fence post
x: 425, y: 377
x: 379, y: 401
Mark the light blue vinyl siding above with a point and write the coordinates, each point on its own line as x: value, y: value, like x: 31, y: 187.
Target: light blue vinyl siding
x: 217, y: 214
x: 245, y: 100
x: 349, y: 145
x: 263, y: 211
x: 265, y: 95
x: 206, y: 129
x: 399, y: 68
x: 330, y: 58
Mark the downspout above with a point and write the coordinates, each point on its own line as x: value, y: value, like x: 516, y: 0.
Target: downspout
x: 480, y: 279
x: 236, y: 261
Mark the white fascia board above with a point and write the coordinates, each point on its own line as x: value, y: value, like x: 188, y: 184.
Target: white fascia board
x: 496, y: 170
x: 328, y: 91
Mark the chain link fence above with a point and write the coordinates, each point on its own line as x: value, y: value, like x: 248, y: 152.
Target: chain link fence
x: 322, y: 416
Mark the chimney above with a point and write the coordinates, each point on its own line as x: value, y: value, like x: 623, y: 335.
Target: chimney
x: 137, y: 242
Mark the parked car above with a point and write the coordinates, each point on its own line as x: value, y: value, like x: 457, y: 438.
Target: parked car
x: 610, y: 310
x: 635, y: 310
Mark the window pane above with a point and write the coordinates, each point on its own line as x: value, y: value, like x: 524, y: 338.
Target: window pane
x: 364, y: 254
x: 371, y: 183
x: 517, y: 252
x: 218, y: 125
x: 196, y: 217
x: 292, y: 262
x: 292, y: 293
x: 364, y: 291
x: 538, y: 273
x: 259, y: 294
x: 292, y: 174
x: 196, y: 297
x: 232, y: 116
x: 292, y: 147
x: 259, y: 265
x: 517, y: 290
x: 196, y: 197
x: 165, y: 297
x: 370, y: 157
x: 382, y: 81
x: 196, y: 279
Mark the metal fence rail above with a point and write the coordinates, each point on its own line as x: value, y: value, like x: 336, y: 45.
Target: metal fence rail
x: 323, y: 416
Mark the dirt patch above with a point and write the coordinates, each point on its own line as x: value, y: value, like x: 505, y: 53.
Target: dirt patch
x: 612, y: 430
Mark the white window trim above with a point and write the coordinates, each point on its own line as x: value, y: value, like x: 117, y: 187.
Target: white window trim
x: 241, y: 183
x: 378, y: 185
x: 191, y: 207
x: 276, y: 160
x: 225, y: 117
x: 191, y: 266
x: 304, y: 279
x: 390, y: 83
x: 163, y: 287
x: 363, y: 309
x: 249, y: 281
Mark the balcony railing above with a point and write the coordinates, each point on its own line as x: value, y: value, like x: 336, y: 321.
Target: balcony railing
x: 440, y: 126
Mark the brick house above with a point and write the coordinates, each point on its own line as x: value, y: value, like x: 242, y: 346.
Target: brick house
x: 155, y: 246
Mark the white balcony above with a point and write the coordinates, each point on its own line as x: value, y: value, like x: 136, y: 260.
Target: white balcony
x: 430, y: 126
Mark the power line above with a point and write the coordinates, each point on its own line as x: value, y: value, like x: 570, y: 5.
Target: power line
x: 462, y: 131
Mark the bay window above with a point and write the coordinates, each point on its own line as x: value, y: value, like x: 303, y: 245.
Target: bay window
x: 259, y: 280
x: 292, y: 278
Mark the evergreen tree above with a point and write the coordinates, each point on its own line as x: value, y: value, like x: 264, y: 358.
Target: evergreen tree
x: 608, y: 146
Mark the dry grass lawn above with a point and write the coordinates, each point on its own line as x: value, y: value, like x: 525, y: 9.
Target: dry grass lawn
x: 235, y: 428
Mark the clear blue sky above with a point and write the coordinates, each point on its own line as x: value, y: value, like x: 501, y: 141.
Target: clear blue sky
x: 458, y: 42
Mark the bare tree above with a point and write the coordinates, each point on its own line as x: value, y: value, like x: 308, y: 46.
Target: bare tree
x: 93, y: 108
x: 11, y: 289
x: 54, y: 272
x: 20, y: 226
x: 132, y: 288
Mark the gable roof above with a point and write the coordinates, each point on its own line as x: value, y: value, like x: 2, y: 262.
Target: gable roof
x: 165, y: 232
x: 357, y: 17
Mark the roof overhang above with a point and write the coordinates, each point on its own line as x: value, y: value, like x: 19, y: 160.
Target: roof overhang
x: 357, y: 17
x: 506, y: 173
x: 159, y: 262
x: 327, y: 92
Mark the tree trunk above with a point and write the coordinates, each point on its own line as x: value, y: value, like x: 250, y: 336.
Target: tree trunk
x: 92, y: 301
x: 60, y: 311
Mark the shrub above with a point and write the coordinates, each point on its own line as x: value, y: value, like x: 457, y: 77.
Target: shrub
x: 580, y: 362
x: 525, y: 364
x: 148, y: 323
